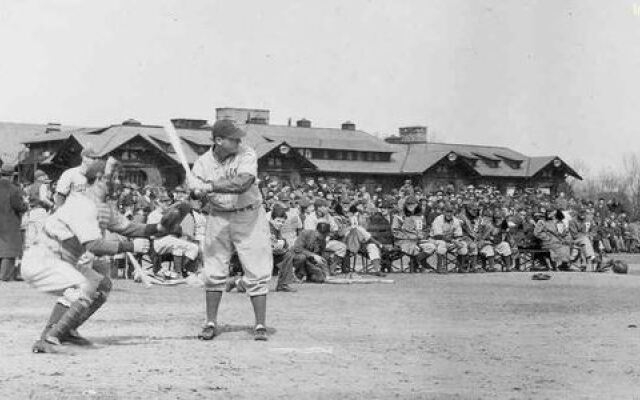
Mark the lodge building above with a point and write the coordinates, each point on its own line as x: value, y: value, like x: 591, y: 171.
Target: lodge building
x: 294, y: 152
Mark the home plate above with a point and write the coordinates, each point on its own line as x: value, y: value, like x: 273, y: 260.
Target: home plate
x: 303, y: 350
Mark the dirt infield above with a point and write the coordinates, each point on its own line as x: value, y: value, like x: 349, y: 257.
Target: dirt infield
x: 426, y: 336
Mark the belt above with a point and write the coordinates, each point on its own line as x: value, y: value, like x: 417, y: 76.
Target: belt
x: 237, y: 210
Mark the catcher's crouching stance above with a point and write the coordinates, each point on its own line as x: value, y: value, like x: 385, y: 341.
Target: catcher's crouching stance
x: 61, y: 261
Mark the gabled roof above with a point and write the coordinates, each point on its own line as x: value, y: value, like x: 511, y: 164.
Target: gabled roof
x: 13, y: 134
x: 537, y: 164
x: 422, y: 156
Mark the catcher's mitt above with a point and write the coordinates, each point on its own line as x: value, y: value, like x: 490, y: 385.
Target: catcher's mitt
x: 620, y: 267
x: 174, y: 215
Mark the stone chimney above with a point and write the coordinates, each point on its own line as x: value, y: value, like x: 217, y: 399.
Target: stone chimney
x: 243, y: 115
x: 348, y: 126
x: 303, y: 123
x: 413, y: 134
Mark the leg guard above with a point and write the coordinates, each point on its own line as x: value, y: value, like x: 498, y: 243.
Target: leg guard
x: 58, y: 311
x: 68, y: 319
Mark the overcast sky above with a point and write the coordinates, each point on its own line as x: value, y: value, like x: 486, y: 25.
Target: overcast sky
x: 542, y: 77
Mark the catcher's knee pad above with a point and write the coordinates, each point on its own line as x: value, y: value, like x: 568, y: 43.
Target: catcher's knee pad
x: 71, y: 295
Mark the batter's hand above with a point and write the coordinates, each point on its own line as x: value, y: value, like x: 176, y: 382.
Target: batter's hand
x: 141, y: 246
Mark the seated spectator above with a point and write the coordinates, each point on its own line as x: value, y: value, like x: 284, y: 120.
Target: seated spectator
x: 491, y: 240
x: 184, y: 252
x: 305, y: 259
x: 555, y: 238
x: 409, y: 233
x: 582, y: 233
x: 446, y: 237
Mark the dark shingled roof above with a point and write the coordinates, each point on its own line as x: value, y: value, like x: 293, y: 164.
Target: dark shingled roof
x: 317, y: 138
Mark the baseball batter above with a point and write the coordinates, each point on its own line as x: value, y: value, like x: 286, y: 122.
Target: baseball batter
x: 236, y: 222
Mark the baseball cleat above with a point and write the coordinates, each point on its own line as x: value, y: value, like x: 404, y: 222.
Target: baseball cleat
x: 73, y: 337
x: 40, y: 346
x: 260, y: 333
x: 209, y: 331
x: 286, y: 288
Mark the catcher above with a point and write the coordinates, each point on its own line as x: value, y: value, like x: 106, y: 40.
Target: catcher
x: 62, y: 260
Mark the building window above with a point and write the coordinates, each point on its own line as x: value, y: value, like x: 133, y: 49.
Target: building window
x: 134, y: 176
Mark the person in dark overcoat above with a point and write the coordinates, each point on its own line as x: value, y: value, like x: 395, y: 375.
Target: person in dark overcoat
x: 12, y: 205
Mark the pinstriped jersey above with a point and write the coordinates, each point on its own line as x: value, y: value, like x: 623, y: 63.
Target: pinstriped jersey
x: 208, y: 168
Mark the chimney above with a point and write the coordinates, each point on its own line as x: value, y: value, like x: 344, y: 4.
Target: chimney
x: 185, y: 123
x: 243, y: 115
x: 413, y: 134
x: 303, y: 123
x: 52, y: 127
x: 131, y: 122
x: 348, y: 126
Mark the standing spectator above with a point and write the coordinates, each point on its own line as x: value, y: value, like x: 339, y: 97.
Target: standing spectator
x: 12, y: 205
x: 73, y: 179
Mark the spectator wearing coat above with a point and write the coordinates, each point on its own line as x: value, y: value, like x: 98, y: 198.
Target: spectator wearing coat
x: 12, y: 205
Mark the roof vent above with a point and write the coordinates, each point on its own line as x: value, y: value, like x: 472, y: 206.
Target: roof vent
x: 185, y: 123
x: 348, y: 126
x: 131, y: 122
x: 303, y: 123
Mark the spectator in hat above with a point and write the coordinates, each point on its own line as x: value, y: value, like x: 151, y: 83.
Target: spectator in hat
x: 73, y: 180
x: 12, y: 205
x: 39, y: 193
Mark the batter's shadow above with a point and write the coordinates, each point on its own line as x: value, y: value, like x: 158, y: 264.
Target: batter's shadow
x: 136, y: 340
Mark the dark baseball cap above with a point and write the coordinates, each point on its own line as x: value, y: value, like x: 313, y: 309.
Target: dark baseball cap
x: 226, y: 128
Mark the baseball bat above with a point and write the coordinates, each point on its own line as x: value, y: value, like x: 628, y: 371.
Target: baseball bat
x: 138, y: 270
x: 174, y: 139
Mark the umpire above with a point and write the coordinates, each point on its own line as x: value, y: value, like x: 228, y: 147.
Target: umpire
x: 236, y: 221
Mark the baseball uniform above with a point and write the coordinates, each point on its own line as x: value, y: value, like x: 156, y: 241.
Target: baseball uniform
x: 235, y: 222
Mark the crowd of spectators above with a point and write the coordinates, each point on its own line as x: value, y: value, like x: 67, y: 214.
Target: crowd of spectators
x: 471, y: 229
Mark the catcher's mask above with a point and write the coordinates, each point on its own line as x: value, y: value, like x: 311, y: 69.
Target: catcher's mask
x: 103, y: 185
